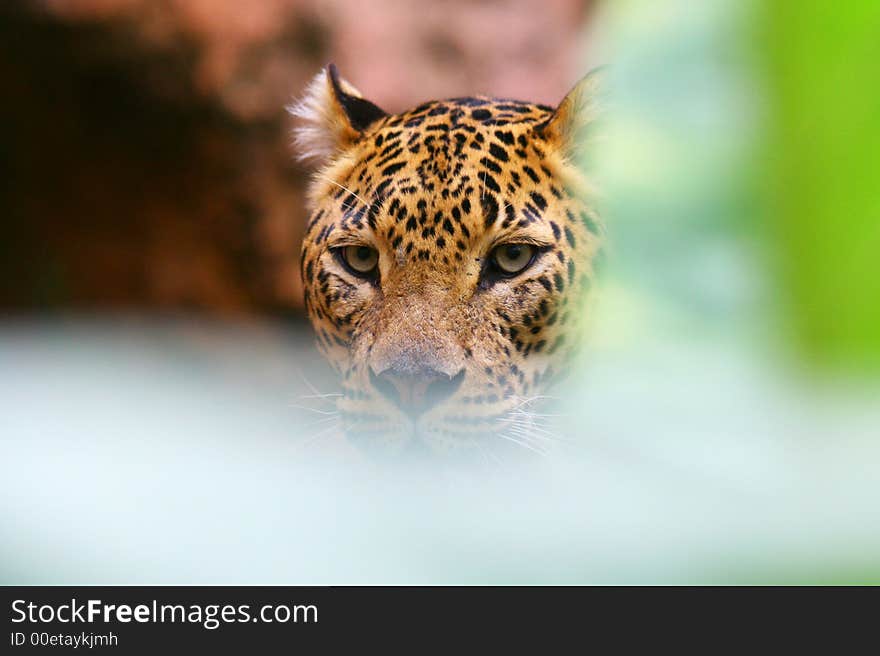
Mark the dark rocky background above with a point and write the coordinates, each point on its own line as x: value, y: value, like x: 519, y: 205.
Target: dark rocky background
x: 145, y: 157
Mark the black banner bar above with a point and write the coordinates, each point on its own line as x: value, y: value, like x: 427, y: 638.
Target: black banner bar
x: 147, y: 619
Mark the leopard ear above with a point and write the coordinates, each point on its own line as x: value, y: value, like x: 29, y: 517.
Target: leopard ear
x: 567, y: 126
x: 331, y: 116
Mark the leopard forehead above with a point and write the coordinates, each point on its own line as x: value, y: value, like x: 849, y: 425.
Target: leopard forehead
x: 430, y: 182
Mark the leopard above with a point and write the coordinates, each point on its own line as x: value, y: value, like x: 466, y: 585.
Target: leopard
x: 448, y: 253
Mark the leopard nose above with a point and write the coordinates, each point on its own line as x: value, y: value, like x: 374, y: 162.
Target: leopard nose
x: 416, y: 392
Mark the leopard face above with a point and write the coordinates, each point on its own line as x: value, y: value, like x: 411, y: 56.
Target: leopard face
x: 446, y: 258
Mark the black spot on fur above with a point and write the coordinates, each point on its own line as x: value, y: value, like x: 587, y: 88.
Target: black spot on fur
x: 589, y: 223
x: 539, y: 200
x: 489, y: 164
x: 498, y: 152
x: 393, y: 168
x: 529, y: 171
x: 490, y: 183
x: 505, y: 136
x: 490, y: 209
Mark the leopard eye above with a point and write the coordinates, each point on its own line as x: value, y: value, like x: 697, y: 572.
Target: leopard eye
x: 361, y: 260
x: 511, y: 259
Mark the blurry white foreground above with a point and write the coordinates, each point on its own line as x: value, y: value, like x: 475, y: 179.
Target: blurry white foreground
x: 172, y: 452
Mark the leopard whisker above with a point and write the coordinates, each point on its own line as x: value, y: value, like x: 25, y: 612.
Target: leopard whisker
x: 315, y: 410
x: 524, y: 401
x: 548, y: 439
x: 530, y: 418
x: 523, y: 444
x: 342, y: 186
x: 536, y: 415
x: 314, y: 390
x: 542, y: 427
x: 329, y: 399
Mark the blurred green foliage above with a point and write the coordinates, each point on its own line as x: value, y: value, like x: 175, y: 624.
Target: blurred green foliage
x: 823, y: 88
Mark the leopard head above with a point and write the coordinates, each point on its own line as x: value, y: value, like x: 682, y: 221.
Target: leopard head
x: 446, y: 257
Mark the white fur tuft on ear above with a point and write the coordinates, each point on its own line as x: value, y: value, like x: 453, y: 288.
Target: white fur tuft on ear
x: 331, y: 115
x: 314, y: 136
x: 577, y: 112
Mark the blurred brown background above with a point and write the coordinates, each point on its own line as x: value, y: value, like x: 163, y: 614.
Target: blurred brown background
x: 145, y: 156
